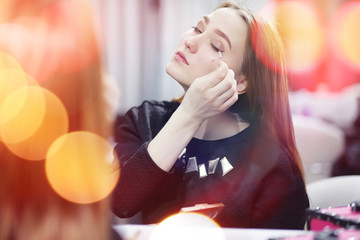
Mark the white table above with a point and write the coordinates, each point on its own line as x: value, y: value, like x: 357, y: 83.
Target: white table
x: 144, y: 232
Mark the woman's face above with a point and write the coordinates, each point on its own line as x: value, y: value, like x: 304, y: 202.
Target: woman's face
x: 198, y: 52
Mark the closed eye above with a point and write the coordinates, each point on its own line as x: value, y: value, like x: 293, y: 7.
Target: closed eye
x: 216, y: 48
x: 197, y: 30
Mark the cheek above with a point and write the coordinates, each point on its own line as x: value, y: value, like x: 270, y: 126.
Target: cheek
x: 206, y: 64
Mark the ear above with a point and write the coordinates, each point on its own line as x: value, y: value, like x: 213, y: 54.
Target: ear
x: 241, y: 84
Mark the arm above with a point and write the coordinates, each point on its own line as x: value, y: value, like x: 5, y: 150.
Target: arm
x: 206, y: 97
x: 145, y: 162
x: 140, y: 177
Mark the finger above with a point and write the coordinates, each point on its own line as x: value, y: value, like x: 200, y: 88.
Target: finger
x: 226, y: 100
x: 228, y: 93
x: 227, y: 84
x: 229, y: 97
x: 217, y: 75
x: 230, y: 101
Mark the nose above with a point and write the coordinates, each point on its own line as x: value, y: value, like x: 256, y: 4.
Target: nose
x: 192, y: 43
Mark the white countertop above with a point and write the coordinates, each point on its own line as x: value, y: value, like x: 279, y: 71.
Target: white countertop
x: 146, y: 232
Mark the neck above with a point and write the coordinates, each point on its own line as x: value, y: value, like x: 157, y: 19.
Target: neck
x: 221, y: 126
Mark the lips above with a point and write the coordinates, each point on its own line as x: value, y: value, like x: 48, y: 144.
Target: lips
x: 180, y: 56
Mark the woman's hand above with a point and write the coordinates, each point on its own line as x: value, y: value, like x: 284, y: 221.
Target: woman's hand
x: 210, y: 94
x: 207, y: 96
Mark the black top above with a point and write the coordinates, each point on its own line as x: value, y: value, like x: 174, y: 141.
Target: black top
x: 251, y: 173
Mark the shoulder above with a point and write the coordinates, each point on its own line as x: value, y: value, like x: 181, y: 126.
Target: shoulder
x: 147, y: 118
x: 157, y: 104
x: 149, y: 108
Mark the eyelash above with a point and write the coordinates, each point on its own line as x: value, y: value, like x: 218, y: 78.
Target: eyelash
x: 216, y: 49
x: 197, y: 30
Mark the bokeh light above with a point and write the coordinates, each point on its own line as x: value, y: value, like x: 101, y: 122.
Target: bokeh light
x: 12, y: 77
x: 301, y: 29
x: 29, y: 53
x: 347, y: 34
x: 11, y: 80
x: 22, y: 113
x: 32, y: 118
x: 79, y: 167
x: 57, y: 31
x: 188, y: 226
x: 73, y: 34
x: 8, y: 62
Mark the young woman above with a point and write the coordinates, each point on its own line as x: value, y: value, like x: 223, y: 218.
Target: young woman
x: 229, y: 139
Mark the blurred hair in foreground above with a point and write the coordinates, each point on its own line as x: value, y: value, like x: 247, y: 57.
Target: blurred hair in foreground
x: 55, y: 123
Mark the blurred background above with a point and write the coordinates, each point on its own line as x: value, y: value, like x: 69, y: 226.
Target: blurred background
x: 136, y: 38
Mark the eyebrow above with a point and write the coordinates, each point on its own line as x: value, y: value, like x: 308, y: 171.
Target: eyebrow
x: 219, y: 32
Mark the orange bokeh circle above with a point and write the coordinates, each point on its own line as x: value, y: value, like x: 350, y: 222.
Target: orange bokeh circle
x: 79, y: 167
x: 32, y: 118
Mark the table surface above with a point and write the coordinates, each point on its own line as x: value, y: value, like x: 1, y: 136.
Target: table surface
x: 146, y: 232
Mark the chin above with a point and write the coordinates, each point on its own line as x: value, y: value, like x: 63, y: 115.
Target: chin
x: 178, y: 75
x: 173, y: 72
